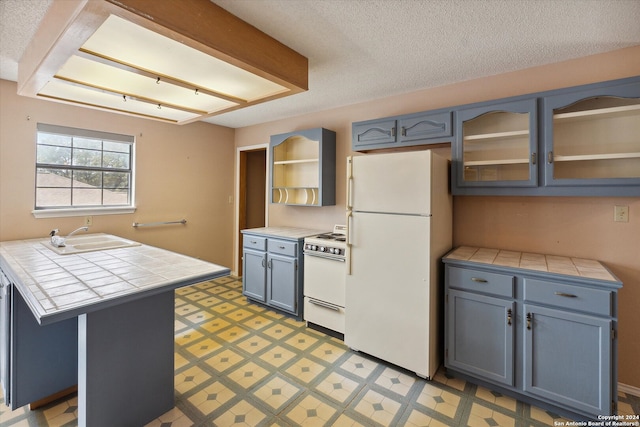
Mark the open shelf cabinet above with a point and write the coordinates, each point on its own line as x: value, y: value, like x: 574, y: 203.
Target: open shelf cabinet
x: 497, y: 144
x: 593, y: 137
x: 303, y: 168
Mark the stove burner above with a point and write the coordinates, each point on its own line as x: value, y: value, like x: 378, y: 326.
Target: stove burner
x: 332, y: 236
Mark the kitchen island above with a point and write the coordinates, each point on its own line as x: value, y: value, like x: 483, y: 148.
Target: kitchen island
x: 103, y: 319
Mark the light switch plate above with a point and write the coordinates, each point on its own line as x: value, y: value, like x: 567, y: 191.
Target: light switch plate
x: 621, y: 213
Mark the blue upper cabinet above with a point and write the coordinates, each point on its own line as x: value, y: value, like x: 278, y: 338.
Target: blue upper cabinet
x: 496, y: 146
x: 592, y: 140
x: 429, y: 127
x: 579, y: 141
x: 303, y: 168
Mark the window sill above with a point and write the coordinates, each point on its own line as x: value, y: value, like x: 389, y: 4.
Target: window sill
x: 59, y: 213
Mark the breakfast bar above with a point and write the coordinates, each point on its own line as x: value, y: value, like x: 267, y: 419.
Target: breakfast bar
x: 101, y: 318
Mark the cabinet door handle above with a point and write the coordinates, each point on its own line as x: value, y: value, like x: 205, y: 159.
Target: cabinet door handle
x: 281, y: 247
x: 264, y: 262
x: 403, y: 132
x: 534, y: 158
x: 550, y: 157
x: 529, y: 321
x: 479, y: 280
x: 509, y: 313
x: 562, y: 294
x: 269, y: 264
x: 253, y: 242
x: 393, y: 131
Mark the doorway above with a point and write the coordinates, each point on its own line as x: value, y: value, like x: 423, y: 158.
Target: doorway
x: 252, y: 195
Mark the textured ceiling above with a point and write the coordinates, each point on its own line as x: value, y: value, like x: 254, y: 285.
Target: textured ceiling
x: 361, y: 50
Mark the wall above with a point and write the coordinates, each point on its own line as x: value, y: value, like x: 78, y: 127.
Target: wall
x: 181, y: 172
x: 581, y: 227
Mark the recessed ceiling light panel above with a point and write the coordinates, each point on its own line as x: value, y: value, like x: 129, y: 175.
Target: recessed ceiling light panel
x: 172, y: 61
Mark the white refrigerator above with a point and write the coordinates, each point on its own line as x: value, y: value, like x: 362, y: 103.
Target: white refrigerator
x: 399, y: 225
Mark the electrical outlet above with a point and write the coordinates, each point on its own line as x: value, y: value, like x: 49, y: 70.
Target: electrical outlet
x: 88, y: 221
x: 621, y: 213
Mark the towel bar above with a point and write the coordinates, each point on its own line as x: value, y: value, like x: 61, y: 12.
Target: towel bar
x: 153, y: 224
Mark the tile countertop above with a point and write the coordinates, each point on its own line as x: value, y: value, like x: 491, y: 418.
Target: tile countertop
x: 285, y: 232
x: 569, y: 266
x: 58, y: 287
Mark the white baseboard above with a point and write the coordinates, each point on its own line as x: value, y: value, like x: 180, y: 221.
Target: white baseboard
x: 629, y: 389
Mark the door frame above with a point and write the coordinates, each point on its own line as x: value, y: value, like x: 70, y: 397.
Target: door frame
x: 239, y: 186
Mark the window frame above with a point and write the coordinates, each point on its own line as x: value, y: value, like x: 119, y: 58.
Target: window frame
x: 80, y: 210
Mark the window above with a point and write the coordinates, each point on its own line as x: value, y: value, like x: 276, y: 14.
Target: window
x: 78, y: 168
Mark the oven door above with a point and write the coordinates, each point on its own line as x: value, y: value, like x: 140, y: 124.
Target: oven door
x: 324, y: 278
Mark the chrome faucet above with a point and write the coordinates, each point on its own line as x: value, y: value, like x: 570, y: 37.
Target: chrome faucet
x: 60, y: 241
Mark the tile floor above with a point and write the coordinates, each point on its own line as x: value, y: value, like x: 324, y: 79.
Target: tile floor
x: 239, y: 364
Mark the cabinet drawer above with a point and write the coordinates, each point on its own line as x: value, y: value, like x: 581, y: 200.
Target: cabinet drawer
x: 258, y: 243
x: 572, y: 297
x: 328, y: 315
x: 282, y: 247
x: 481, y: 281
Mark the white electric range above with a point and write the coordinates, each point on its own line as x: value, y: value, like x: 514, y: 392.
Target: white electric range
x: 324, y: 279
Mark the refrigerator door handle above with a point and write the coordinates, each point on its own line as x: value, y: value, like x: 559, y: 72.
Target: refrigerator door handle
x: 349, y: 183
x: 348, y: 236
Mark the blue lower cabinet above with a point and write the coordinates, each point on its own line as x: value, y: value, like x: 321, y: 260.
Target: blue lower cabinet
x: 568, y: 358
x: 546, y: 338
x: 481, y: 338
x: 273, y: 272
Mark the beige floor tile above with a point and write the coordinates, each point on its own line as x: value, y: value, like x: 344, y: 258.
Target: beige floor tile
x: 200, y: 316
x: 247, y: 375
x: 359, y: 366
x: 338, y: 387
x: 242, y: 414
x: 224, y: 308
x: 208, y: 302
x: 328, y: 352
x: 278, y: 331
x: 240, y: 314
x: 345, y: 421
x: 277, y: 392
x: 301, y: 341
x: 186, y: 309
x: 258, y: 323
x: 456, y: 383
x: 439, y: 400
x: 179, y: 361
x: 189, y: 379
x: 311, y: 412
x: 204, y: 348
x: 395, y: 381
x: 481, y: 416
x: 305, y: 370
x: 184, y: 338
x: 224, y: 360
x: 214, y: 325
x: 277, y: 356
x: 497, y: 398
x: 254, y: 344
x: 233, y: 334
x: 377, y: 407
x: 196, y: 296
x: 543, y: 416
x: 211, y: 398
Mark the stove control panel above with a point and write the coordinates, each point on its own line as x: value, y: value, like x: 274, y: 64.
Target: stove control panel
x: 323, y: 248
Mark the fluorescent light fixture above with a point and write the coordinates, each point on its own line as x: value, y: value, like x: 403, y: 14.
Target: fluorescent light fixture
x: 175, y: 61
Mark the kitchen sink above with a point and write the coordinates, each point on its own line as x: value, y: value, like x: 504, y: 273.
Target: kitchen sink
x: 90, y: 242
